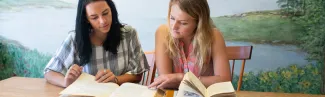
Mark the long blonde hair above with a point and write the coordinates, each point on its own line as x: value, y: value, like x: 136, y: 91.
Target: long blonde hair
x: 202, y: 40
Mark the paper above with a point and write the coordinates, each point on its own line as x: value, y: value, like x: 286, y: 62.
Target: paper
x: 219, y: 88
x: 86, y: 85
x: 133, y: 90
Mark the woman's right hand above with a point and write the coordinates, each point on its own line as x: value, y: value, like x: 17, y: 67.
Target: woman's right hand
x: 73, y: 73
x: 166, y: 81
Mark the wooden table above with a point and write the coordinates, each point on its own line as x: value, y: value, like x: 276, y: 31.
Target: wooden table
x: 170, y: 93
x: 28, y: 87
x: 37, y: 87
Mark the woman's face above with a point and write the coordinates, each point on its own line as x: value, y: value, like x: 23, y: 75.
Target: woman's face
x: 99, y: 16
x: 181, y: 24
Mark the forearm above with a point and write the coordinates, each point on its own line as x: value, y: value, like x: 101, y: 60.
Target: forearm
x: 180, y: 77
x: 129, y: 78
x: 174, y: 83
x: 209, y: 80
x: 55, y: 78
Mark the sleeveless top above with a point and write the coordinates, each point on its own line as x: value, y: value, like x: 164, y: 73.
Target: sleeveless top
x: 181, y: 64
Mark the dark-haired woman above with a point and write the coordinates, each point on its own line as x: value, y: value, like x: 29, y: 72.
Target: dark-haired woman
x: 100, y: 46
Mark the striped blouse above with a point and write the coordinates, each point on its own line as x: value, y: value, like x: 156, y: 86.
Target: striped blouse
x: 129, y: 59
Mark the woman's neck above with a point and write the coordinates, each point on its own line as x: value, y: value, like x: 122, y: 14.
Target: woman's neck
x: 97, y: 38
x: 187, y: 41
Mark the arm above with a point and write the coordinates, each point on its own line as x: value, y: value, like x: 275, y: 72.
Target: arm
x: 129, y: 78
x: 60, y: 70
x: 55, y: 78
x: 137, y: 62
x: 59, y: 79
x: 108, y: 76
x: 166, y: 79
x: 163, y: 62
x: 136, y: 65
x: 220, y: 61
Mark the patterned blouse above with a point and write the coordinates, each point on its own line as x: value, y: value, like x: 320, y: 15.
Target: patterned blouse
x: 129, y: 59
x: 184, y: 65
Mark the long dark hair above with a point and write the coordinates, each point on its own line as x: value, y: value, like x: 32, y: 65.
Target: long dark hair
x: 83, y: 30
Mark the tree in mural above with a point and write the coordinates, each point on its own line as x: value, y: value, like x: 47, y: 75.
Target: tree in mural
x: 310, y: 15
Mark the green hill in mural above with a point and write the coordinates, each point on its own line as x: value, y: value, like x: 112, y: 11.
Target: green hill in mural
x: 258, y: 27
x: 16, y: 60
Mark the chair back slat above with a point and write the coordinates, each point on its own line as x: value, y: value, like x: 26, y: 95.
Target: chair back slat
x: 239, y: 52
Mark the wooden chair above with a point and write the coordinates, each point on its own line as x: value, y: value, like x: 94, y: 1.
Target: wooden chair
x: 149, y: 76
x: 239, y: 53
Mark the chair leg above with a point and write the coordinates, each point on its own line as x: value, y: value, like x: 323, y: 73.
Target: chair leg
x: 147, y: 77
x: 232, y: 70
x: 151, y: 75
x: 143, y: 78
x: 241, y: 75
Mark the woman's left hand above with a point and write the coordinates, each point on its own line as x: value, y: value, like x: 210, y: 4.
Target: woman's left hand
x: 105, y: 76
x: 167, y: 81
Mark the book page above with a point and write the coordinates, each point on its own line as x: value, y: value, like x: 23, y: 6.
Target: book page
x: 221, y: 88
x: 195, y: 83
x: 175, y: 93
x: 86, y: 85
x: 190, y: 85
x: 187, y: 91
x: 135, y: 90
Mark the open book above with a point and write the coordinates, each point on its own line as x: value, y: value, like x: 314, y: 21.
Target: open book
x: 86, y: 85
x: 191, y: 86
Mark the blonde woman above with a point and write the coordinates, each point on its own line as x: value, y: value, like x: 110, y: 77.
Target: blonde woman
x: 189, y: 42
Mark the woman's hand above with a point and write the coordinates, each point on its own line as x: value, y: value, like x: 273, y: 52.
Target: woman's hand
x: 105, y: 76
x: 167, y: 81
x: 73, y: 73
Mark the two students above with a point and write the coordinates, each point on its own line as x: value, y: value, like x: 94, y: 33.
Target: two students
x: 103, y: 47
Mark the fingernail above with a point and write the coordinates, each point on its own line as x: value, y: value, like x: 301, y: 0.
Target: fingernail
x: 152, y: 88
